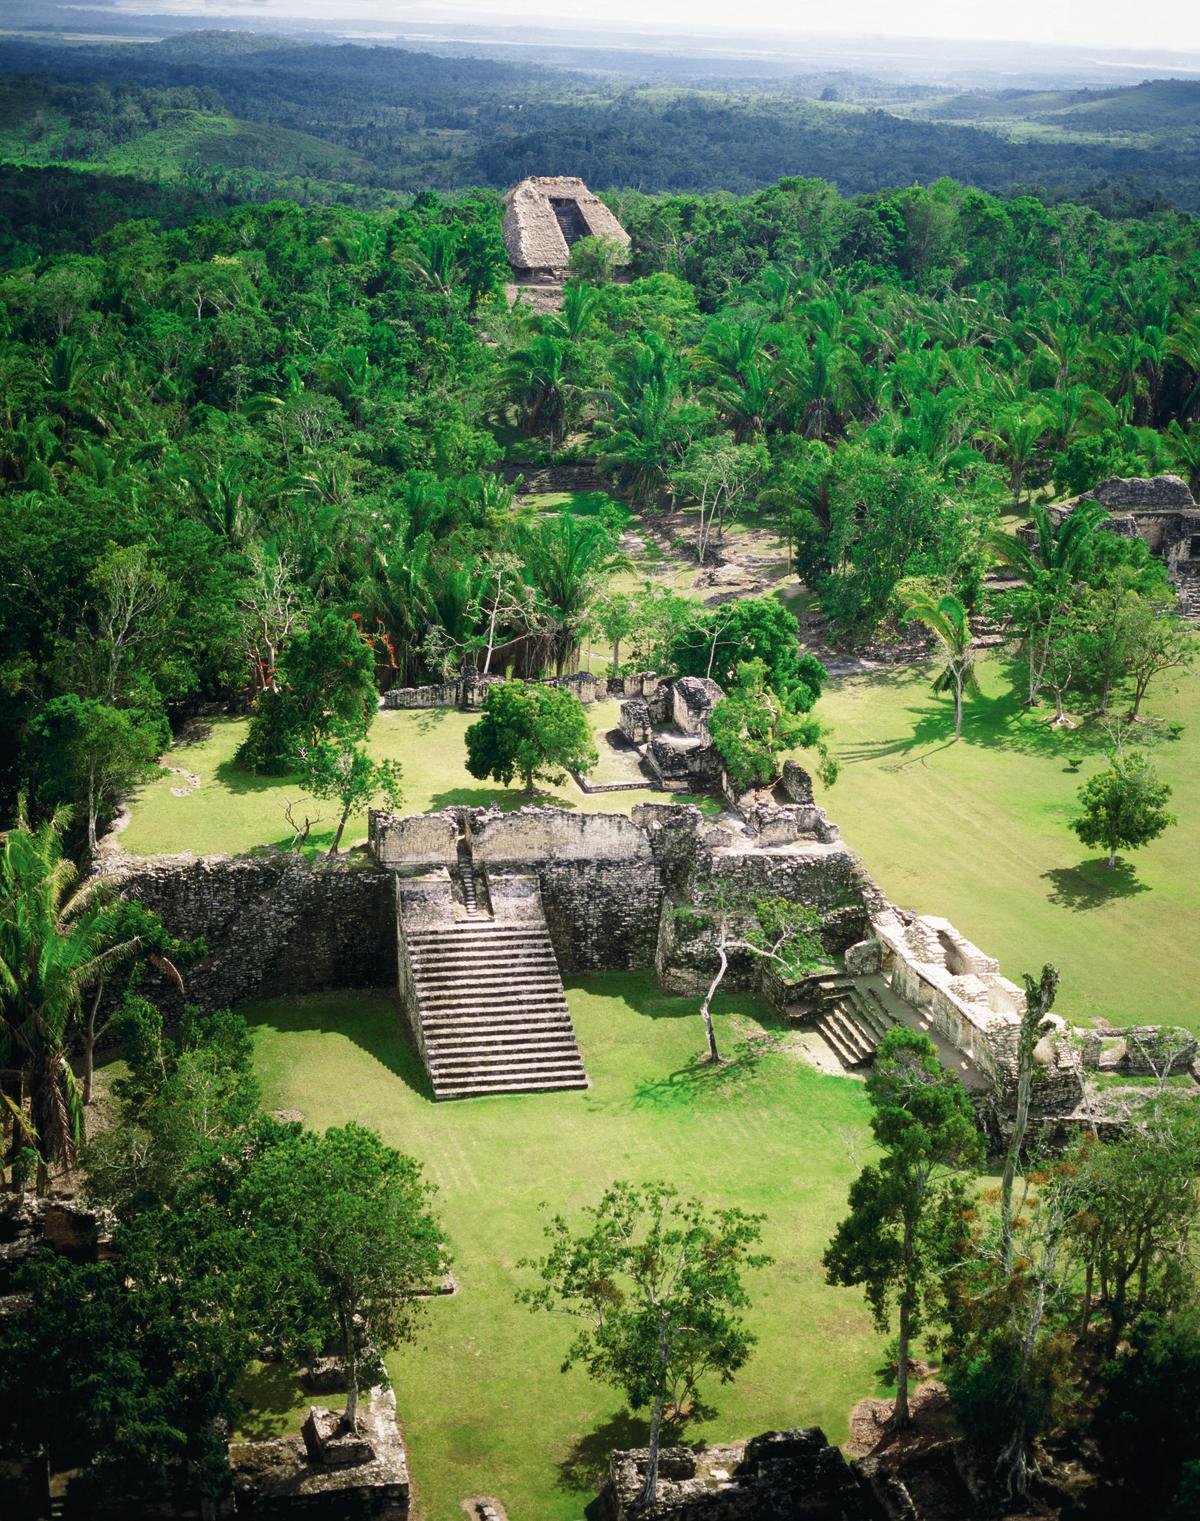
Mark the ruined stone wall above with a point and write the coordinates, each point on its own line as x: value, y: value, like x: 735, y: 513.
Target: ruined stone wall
x: 274, y: 925
x: 602, y: 915
x: 538, y: 835
x: 469, y: 691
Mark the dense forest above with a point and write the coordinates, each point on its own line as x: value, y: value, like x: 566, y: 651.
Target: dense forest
x: 214, y: 433
x: 271, y: 413
x: 399, y: 120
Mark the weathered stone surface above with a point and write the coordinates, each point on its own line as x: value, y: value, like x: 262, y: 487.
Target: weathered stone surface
x: 549, y: 834
x: 328, y: 1440
x: 602, y: 915
x: 634, y: 721
x: 692, y: 700
x: 274, y: 925
x: 279, y: 1479
x: 1134, y: 493
x: 69, y: 1227
x: 864, y: 958
x: 779, y: 1476
x: 796, y: 782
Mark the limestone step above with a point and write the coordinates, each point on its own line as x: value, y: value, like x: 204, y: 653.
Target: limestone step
x: 482, y: 1087
x: 851, y: 1034
x: 507, y: 1063
x: 551, y: 1043
x: 481, y: 1005
x: 491, y: 1005
x: 508, y: 971
x: 834, y: 1041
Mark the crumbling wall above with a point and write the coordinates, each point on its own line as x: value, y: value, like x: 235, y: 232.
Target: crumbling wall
x: 550, y: 834
x: 274, y: 925
x: 602, y: 915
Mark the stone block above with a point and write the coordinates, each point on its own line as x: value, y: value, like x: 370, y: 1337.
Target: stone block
x: 796, y: 782
x: 864, y: 958
x: 1142, y: 493
x: 692, y: 700
x: 327, y: 1440
x: 634, y: 721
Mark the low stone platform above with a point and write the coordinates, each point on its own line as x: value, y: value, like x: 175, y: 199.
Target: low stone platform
x: 327, y: 1473
x: 779, y: 1476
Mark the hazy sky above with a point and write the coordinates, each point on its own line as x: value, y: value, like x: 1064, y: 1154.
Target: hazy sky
x: 1144, y: 25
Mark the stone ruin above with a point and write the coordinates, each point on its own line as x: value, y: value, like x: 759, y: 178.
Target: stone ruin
x: 544, y: 216
x: 327, y: 1472
x: 780, y: 1476
x: 1158, y: 509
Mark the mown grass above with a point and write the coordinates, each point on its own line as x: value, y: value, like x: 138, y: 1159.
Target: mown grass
x: 978, y: 832
x: 482, y: 1402
x: 233, y: 811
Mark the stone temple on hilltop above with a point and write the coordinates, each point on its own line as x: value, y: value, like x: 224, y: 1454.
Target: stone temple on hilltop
x: 544, y: 215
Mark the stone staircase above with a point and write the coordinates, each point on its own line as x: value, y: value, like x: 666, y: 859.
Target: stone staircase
x: 493, y: 1015
x: 856, y: 1017
x: 1188, y: 592
x: 467, y: 880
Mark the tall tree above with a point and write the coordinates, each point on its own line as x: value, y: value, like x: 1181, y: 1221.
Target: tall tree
x: 906, y: 1210
x: 948, y: 622
x: 367, y: 1244
x: 655, y: 1281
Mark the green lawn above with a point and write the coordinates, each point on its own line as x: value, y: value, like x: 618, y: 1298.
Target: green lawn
x: 483, y: 1404
x: 232, y: 811
x: 978, y: 832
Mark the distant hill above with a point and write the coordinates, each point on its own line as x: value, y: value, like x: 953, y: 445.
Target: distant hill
x: 150, y: 134
x: 1156, y: 108
x: 389, y: 120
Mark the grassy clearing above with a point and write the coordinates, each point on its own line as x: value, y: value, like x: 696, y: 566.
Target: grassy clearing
x: 978, y: 832
x: 232, y: 811
x: 483, y: 1404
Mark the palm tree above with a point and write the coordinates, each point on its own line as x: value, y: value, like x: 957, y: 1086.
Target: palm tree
x: 565, y: 559
x: 1048, y: 566
x: 536, y: 376
x: 1017, y: 440
x: 56, y: 941
x: 1185, y: 451
x: 946, y: 619
x: 580, y: 304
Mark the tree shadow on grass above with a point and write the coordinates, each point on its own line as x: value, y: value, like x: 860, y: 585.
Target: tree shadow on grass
x: 1092, y: 884
x: 505, y: 798
x: 992, y: 723
x: 373, y: 1024
x: 235, y: 778
x: 272, y: 1393
x: 583, y: 1469
x: 703, y: 1080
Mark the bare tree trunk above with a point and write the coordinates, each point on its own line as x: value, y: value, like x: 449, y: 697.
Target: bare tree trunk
x: 351, y: 1353
x: 958, y: 703
x: 900, y: 1411
x: 337, y: 839
x: 706, y: 1006
x: 89, y: 1044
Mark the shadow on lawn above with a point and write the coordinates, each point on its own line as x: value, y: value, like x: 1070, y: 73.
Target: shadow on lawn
x: 701, y: 1079
x: 373, y: 1024
x: 272, y: 1394
x: 1092, y: 885
x: 504, y: 798
x: 583, y: 1469
x: 995, y: 723
x: 235, y: 778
